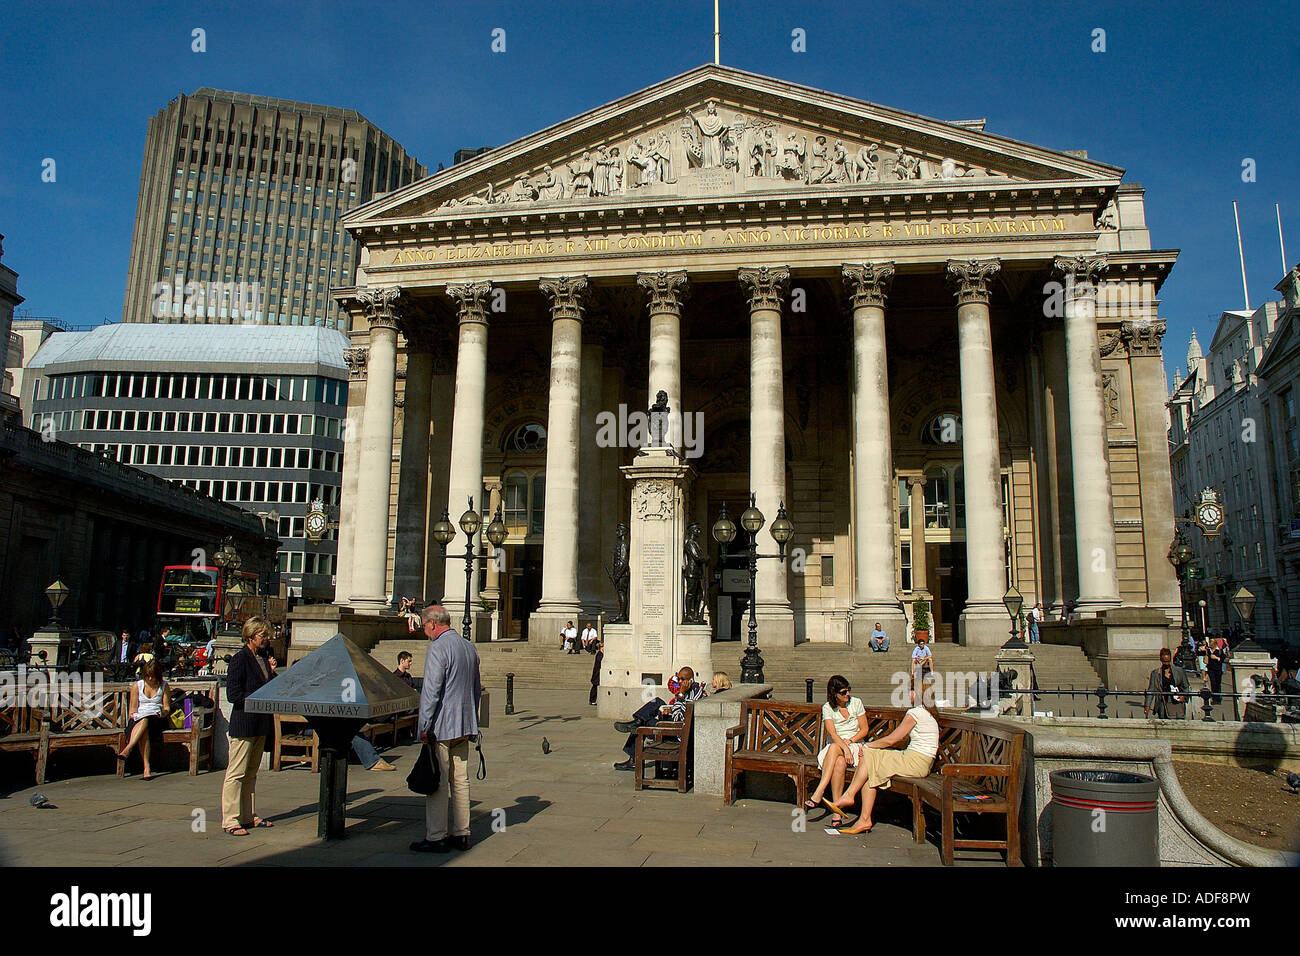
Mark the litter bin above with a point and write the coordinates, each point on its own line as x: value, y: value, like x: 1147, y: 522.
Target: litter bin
x: 1104, y: 818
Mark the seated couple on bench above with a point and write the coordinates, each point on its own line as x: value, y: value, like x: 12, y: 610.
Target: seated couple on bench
x: 875, y: 762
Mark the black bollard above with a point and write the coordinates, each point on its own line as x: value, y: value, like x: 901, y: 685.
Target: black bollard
x: 807, y: 688
x: 510, y: 694
x: 1101, y: 701
x: 1206, y: 694
x: 334, y: 737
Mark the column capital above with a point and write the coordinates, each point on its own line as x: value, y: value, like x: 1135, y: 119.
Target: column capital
x: 868, y: 282
x: 668, y: 290
x: 355, y: 357
x: 1080, y: 273
x: 914, y: 481
x: 382, y: 307
x: 970, y: 277
x: 566, y: 294
x: 471, y: 300
x: 1142, y: 336
x: 765, y: 285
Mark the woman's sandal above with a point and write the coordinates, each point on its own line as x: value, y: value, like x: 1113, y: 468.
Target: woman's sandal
x: 236, y: 831
x: 259, y: 822
x: 859, y: 828
x: 811, y: 804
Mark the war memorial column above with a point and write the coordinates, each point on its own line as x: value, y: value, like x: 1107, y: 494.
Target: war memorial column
x: 560, y: 554
x: 1094, y: 520
x: 766, y: 287
x: 875, y: 588
x: 465, y: 479
x: 374, y: 471
x: 983, y: 622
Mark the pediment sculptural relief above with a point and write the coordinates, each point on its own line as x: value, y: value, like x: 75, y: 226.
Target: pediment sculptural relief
x: 704, y: 153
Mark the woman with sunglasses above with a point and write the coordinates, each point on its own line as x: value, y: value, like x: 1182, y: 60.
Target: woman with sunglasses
x: 846, y: 726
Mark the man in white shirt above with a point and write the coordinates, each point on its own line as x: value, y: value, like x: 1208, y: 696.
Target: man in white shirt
x: 569, y: 635
x: 589, y: 637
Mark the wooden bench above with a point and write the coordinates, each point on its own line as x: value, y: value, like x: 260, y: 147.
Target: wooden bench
x: 667, y: 742
x: 289, y: 735
x: 390, y: 726
x: 98, y: 718
x: 978, y: 769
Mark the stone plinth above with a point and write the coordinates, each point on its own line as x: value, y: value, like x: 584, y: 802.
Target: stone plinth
x: 642, y: 655
x: 1123, y: 644
x: 1247, y: 661
x: 56, y: 642
x: 1020, y: 660
x: 713, y: 717
x: 311, y: 625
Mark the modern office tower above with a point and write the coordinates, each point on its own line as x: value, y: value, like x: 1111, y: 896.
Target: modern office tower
x: 239, y: 207
x: 250, y: 416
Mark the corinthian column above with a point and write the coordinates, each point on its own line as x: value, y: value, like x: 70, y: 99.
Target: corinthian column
x: 413, y: 473
x: 982, y: 620
x: 667, y: 292
x: 875, y: 589
x: 766, y: 287
x: 465, y: 479
x: 560, y: 552
x: 355, y: 358
x: 374, y: 471
x: 1094, y: 520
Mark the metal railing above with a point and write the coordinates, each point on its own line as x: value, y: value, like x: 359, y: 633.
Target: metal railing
x: 1203, y: 705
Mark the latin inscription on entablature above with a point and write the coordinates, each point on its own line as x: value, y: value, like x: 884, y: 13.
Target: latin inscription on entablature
x: 847, y: 231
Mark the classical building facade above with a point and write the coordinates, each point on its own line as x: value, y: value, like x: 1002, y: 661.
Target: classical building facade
x: 937, y: 347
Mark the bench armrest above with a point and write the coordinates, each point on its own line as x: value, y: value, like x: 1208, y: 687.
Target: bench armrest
x: 975, y: 770
x: 734, y: 732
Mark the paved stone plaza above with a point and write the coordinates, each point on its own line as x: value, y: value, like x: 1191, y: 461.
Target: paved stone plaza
x: 568, y: 807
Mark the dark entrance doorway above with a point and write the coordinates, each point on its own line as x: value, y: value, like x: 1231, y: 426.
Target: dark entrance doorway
x: 523, y: 588
x: 946, y: 580
x: 729, y: 594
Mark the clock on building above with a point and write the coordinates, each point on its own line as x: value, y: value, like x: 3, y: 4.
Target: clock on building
x: 1209, y: 513
x: 316, y: 525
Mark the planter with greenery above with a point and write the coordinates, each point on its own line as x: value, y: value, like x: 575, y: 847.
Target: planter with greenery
x: 921, y: 617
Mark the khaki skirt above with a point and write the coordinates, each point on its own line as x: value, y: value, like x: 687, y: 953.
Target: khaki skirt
x: 882, y: 765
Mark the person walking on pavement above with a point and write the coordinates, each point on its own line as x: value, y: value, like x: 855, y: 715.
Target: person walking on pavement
x: 449, y: 703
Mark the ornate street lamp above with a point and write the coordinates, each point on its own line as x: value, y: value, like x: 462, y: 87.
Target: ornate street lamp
x: 1243, y: 602
x: 1180, y: 556
x: 1013, y: 601
x: 56, y: 594
x: 470, y: 523
x: 228, y: 562
x: 724, y: 532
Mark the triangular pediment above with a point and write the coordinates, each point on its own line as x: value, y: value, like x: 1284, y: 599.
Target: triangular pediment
x: 719, y: 133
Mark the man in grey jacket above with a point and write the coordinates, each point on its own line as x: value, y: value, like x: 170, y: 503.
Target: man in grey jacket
x: 448, y: 721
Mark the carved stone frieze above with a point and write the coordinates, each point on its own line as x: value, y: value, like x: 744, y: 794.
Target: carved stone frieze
x: 765, y: 286
x: 969, y: 278
x: 701, y: 151
x: 667, y: 290
x: 1109, y: 342
x: 868, y: 283
x: 566, y: 295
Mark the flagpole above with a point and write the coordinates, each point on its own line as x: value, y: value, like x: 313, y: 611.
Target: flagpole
x: 1281, y: 243
x: 1242, y: 253
x: 717, y: 36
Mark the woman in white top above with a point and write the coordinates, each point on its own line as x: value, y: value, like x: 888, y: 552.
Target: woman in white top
x: 846, y: 725
x: 879, y: 763
x: 150, y: 705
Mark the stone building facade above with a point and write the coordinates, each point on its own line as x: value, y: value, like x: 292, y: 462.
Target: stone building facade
x: 937, y: 347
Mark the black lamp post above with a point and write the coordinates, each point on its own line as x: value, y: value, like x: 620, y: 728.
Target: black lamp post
x: 1013, y: 601
x: 724, y: 532
x: 470, y: 522
x: 1180, y: 556
x: 1243, y: 602
x: 228, y: 562
x: 56, y: 594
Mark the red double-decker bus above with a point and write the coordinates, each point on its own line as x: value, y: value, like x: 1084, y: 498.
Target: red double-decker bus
x: 191, y: 601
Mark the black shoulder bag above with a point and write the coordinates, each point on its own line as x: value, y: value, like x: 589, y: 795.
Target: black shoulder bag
x: 426, y: 776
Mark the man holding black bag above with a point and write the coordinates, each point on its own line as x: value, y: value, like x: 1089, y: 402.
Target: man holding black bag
x: 449, y: 703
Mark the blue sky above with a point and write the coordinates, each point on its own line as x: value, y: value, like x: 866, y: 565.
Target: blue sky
x: 1183, y: 93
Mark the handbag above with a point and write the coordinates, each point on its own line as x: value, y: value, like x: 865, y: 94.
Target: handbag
x: 426, y: 776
